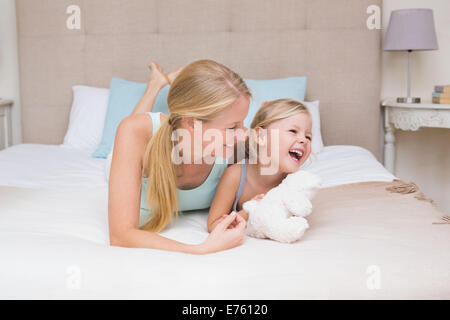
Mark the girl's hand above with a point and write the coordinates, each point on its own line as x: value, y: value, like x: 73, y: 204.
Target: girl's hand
x: 258, y: 197
x: 158, y: 79
x: 223, y: 237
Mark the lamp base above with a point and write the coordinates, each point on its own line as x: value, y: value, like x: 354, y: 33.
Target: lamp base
x: 408, y: 100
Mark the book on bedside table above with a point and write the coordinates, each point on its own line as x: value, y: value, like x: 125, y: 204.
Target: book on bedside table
x: 441, y: 94
x: 442, y: 89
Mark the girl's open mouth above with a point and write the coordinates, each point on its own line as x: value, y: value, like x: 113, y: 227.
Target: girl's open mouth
x: 296, y: 155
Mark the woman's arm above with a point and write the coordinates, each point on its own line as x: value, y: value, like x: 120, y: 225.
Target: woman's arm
x: 124, y: 198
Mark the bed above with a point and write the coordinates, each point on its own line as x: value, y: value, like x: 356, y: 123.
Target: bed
x: 364, y: 241
x: 54, y: 239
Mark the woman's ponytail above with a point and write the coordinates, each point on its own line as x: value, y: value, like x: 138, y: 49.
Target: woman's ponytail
x: 161, y: 172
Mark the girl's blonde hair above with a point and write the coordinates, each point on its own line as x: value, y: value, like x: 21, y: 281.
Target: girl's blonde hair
x: 202, y: 90
x: 276, y: 110
x: 271, y: 112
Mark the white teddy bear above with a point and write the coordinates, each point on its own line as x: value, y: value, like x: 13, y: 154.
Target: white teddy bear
x: 280, y: 214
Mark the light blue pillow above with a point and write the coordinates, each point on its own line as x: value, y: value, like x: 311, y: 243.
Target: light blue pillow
x: 124, y: 95
x: 268, y: 90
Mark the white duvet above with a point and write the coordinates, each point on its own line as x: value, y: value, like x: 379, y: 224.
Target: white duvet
x: 50, y: 166
x: 54, y: 243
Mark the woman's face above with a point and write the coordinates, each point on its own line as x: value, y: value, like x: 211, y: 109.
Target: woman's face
x: 227, y: 128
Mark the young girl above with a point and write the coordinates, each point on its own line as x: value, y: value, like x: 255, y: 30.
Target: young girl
x: 282, y: 125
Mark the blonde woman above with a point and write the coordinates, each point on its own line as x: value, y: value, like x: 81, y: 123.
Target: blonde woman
x: 146, y: 188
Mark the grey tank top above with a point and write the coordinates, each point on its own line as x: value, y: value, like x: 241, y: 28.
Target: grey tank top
x: 241, y: 185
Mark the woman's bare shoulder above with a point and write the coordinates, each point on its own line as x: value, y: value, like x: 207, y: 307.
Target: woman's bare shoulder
x: 137, y: 125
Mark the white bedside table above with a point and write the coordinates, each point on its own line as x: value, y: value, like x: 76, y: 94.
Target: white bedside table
x: 410, y: 117
x: 5, y: 122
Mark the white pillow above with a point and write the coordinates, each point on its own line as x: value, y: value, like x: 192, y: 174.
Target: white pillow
x: 87, y: 118
x: 313, y: 108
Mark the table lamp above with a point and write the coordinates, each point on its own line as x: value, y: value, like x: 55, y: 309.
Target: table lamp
x: 410, y: 30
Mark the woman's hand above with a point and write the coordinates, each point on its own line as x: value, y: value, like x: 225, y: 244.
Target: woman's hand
x: 224, y: 236
x: 243, y: 212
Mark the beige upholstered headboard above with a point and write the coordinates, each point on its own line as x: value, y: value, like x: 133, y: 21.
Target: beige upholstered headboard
x: 326, y: 40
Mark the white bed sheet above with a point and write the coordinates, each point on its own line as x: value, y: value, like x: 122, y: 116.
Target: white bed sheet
x: 51, y: 166
x: 54, y: 243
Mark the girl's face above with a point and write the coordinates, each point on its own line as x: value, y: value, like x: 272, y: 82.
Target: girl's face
x: 294, y: 142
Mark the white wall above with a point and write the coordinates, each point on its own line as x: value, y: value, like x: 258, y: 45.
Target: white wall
x: 9, y: 69
x: 422, y: 156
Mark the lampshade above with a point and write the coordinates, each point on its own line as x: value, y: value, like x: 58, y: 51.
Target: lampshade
x: 411, y: 29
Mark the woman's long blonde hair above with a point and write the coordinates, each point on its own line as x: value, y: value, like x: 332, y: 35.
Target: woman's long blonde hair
x: 202, y: 90
x: 269, y: 113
